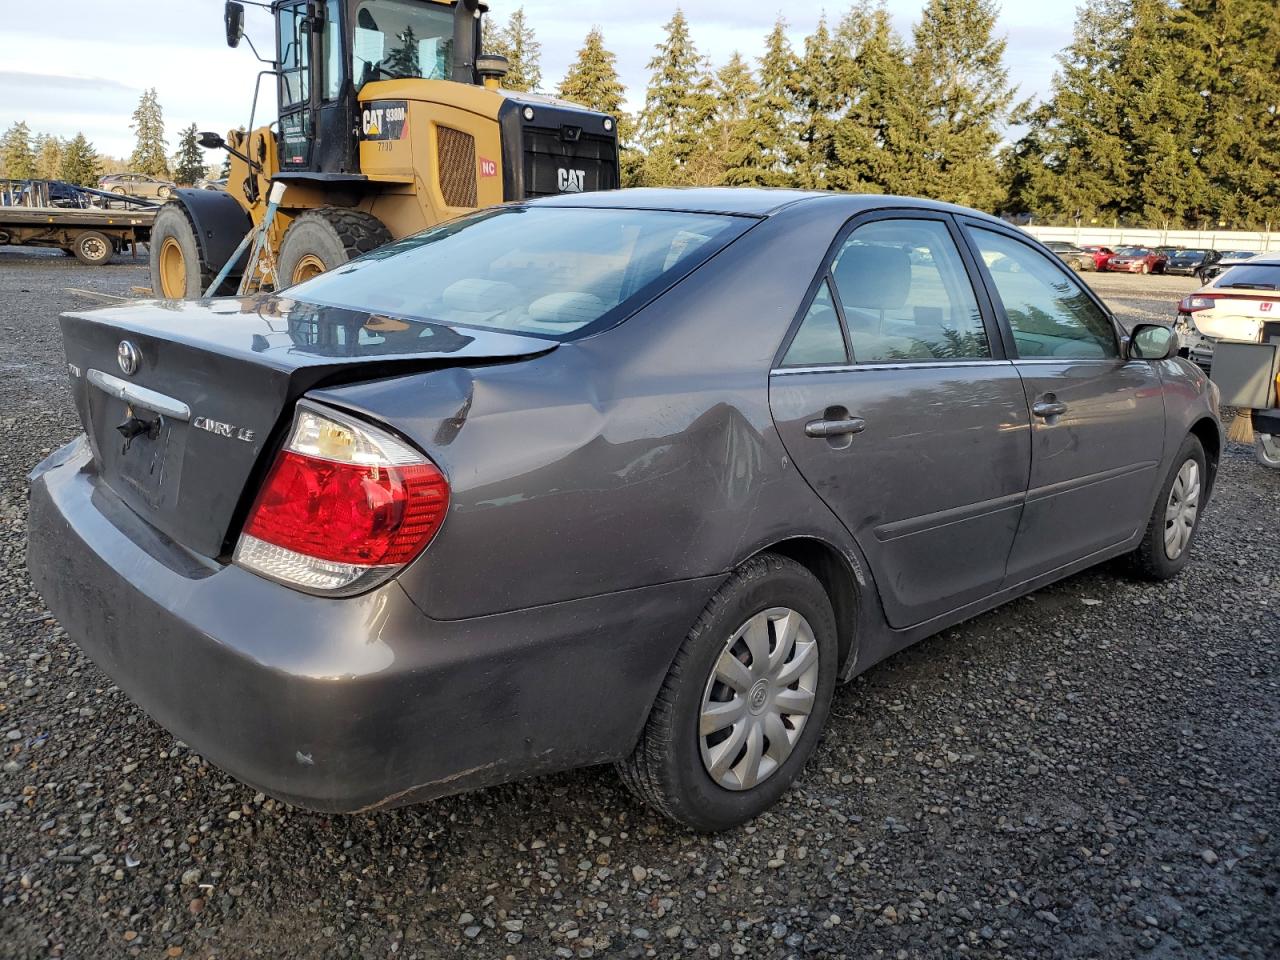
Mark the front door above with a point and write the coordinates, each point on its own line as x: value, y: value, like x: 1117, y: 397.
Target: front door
x: 897, y: 405
x: 1097, y: 420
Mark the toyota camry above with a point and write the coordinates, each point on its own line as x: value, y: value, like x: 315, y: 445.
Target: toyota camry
x: 632, y: 477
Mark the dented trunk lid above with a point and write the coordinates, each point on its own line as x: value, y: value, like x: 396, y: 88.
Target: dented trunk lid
x: 182, y: 402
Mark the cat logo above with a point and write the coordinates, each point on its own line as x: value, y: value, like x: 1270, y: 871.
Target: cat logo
x: 571, y: 181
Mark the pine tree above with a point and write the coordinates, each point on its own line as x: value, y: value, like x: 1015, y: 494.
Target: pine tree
x: 515, y: 41
x: 17, y: 159
x: 188, y: 162
x: 48, y: 151
x: 678, y: 104
x: 735, y: 91
x: 592, y: 80
x: 760, y: 155
x: 870, y: 75
x: 816, y: 100
x: 80, y: 164
x: 403, y: 60
x: 1231, y: 57
x: 958, y: 100
x: 148, y: 127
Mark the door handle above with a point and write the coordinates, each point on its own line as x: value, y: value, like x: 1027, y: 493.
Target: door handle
x: 834, y: 428
x: 1048, y: 409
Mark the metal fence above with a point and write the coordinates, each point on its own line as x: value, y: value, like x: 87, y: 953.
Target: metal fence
x: 1133, y: 237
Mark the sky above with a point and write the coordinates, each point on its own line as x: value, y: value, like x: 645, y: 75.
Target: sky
x: 81, y: 65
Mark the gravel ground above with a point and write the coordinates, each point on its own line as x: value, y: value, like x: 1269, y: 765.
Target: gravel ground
x: 1088, y: 772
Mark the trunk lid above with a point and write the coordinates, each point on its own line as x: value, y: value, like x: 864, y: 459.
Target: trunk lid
x: 181, y: 419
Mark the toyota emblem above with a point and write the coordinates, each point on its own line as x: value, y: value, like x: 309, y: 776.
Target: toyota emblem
x: 128, y: 357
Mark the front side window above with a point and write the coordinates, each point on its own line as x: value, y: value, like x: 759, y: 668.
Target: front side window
x: 402, y: 38
x: 295, y: 57
x: 1051, y: 315
x: 906, y: 295
x: 541, y: 271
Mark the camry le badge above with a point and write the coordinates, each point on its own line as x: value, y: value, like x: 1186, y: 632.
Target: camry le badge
x: 128, y: 357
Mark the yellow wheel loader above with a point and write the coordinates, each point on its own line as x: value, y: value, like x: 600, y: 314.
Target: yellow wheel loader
x: 391, y: 120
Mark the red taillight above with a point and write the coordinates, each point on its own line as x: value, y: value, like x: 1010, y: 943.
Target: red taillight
x: 1197, y: 301
x: 343, y: 506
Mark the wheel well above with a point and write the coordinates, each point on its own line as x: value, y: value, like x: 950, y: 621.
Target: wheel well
x: 832, y: 570
x: 1210, y: 437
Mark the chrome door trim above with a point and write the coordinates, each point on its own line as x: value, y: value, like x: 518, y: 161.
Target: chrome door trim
x: 141, y: 396
x: 908, y: 365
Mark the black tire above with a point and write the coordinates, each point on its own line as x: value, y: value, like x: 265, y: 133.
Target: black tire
x: 1151, y: 560
x: 93, y: 248
x: 666, y: 769
x: 174, y: 222
x: 330, y: 235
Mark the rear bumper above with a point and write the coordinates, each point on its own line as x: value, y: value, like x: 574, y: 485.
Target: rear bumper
x: 343, y: 704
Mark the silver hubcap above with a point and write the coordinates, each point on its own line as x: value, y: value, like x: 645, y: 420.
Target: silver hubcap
x: 94, y: 248
x: 1180, y: 512
x: 1269, y: 447
x: 758, y: 698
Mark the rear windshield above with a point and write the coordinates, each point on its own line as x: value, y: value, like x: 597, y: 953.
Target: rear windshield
x: 1253, y: 276
x: 542, y: 271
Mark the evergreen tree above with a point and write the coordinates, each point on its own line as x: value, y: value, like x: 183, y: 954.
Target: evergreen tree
x: 759, y: 157
x: 816, y: 100
x: 188, y: 162
x: 870, y: 74
x: 80, y: 164
x: 957, y: 101
x: 48, y: 152
x: 735, y: 91
x: 515, y: 41
x: 148, y: 127
x: 592, y: 80
x: 678, y: 104
x: 403, y: 60
x: 17, y: 159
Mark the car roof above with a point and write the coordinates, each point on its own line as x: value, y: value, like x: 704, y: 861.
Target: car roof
x: 742, y: 201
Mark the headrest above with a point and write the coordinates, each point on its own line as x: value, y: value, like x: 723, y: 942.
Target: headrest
x: 480, y: 296
x: 873, y: 277
x: 574, y: 309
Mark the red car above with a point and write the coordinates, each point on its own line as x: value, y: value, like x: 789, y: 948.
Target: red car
x: 1137, y: 260
x: 1100, y: 253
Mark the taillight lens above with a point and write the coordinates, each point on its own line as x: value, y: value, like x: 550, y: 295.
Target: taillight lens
x: 1196, y: 302
x: 343, y: 507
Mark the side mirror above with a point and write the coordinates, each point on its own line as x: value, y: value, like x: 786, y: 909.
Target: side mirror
x: 210, y: 140
x: 1151, y: 341
x: 233, y: 17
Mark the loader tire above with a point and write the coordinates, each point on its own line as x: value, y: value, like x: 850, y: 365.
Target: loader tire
x: 325, y: 238
x: 178, y: 271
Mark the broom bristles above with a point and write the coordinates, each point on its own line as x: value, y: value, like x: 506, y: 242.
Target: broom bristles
x: 1241, y: 430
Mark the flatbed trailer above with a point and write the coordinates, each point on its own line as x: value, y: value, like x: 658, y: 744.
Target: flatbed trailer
x: 93, y: 234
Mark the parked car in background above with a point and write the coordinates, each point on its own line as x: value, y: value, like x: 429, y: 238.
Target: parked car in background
x: 204, y: 183
x: 1077, y: 258
x: 137, y: 185
x: 632, y: 476
x: 1100, y: 253
x: 1228, y: 258
x: 1136, y: 260
x: 1190, y: 262
x: 1238, y: 301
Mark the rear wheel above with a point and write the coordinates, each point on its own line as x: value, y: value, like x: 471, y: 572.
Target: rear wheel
x: 322, y: 239
x: 178, y: 272
x: 93, y: 248
x: 744, y: 702
x: 1175, y: 518
x: 1266, y: 448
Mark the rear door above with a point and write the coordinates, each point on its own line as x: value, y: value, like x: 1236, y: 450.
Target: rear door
x: 901, y: 411
x: 1097, y: 420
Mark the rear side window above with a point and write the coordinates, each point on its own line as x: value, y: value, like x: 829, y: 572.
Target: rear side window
x: 906, y: 295
x: 819, y: 339
x: 1049, y: 312
x: 542, y: 271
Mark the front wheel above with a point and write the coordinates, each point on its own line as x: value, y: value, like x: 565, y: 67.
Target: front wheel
x: 1175, y: 519
x: 1266, y: 449
x: 1144, y: 270
x: 744, y: 702
x: 325, y: 238
x: 92, y: 248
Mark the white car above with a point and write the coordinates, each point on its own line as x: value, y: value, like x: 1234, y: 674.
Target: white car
x: 1234, y: 305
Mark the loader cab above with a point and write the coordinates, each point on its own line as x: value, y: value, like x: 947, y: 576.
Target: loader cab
x: 327, y: 50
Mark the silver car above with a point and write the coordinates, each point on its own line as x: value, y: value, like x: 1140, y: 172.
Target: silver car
x: 632, y: 477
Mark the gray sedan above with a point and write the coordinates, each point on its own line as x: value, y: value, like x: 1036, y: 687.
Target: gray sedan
x: 632, y: 477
